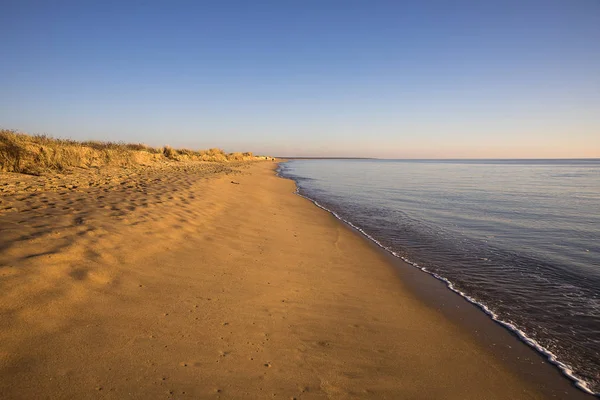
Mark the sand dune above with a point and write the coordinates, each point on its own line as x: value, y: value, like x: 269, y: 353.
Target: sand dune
x: 172, y: 282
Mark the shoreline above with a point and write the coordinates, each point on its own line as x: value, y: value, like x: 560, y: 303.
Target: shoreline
x: 195, y: 282
x: 529, y: 352
x: 504, y: 343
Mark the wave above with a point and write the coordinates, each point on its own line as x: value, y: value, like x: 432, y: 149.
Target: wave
x: 551, y: 357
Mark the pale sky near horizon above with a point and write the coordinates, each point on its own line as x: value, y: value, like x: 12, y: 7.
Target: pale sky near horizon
x: 390, y: 79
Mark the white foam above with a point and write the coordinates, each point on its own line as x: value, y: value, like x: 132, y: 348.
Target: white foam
x: 566, y: 369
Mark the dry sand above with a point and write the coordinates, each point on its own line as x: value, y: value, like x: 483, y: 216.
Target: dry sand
x: 211, y: 281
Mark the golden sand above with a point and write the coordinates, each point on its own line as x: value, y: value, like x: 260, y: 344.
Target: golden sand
x: 209, y: 281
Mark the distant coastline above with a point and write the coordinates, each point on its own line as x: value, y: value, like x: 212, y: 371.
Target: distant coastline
x: 507, y: 160
x: 326, y: 158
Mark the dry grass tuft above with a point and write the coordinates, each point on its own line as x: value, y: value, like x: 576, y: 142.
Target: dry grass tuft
x: 36, y: 154
x: 170, y: 153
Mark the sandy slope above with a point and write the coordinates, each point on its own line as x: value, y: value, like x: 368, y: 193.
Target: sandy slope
x: 178, y: 283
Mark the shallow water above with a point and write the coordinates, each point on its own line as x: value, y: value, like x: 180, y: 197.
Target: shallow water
x: 520, y: 238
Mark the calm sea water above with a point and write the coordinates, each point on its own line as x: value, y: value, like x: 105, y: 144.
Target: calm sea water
x: 520, y: 238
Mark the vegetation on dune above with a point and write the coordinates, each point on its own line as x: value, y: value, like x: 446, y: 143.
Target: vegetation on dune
x: 36, y: 154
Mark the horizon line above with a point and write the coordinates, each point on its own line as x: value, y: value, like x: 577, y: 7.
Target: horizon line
x: 436, y: 159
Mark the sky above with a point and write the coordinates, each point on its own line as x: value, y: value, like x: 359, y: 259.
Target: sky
x: 389, y: 79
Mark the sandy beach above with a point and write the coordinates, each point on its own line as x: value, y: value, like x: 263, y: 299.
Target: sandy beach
x: 209, y: 280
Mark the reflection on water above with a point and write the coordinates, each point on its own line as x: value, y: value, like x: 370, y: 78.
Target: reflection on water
x: 520, y: 237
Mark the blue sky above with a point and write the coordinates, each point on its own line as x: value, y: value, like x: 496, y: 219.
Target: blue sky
x: 421, y: 79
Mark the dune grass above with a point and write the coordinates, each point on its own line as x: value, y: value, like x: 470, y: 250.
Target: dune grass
x: 37, y: 154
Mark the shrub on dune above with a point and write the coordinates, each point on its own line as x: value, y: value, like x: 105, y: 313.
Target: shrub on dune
x: 35, y: 154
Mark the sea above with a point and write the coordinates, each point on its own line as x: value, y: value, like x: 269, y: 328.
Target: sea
x: 518, y: 238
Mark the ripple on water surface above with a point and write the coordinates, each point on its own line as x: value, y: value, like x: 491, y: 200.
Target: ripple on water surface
x: 519, y: 238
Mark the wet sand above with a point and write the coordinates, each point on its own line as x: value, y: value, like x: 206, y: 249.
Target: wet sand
x: 216, y: 281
